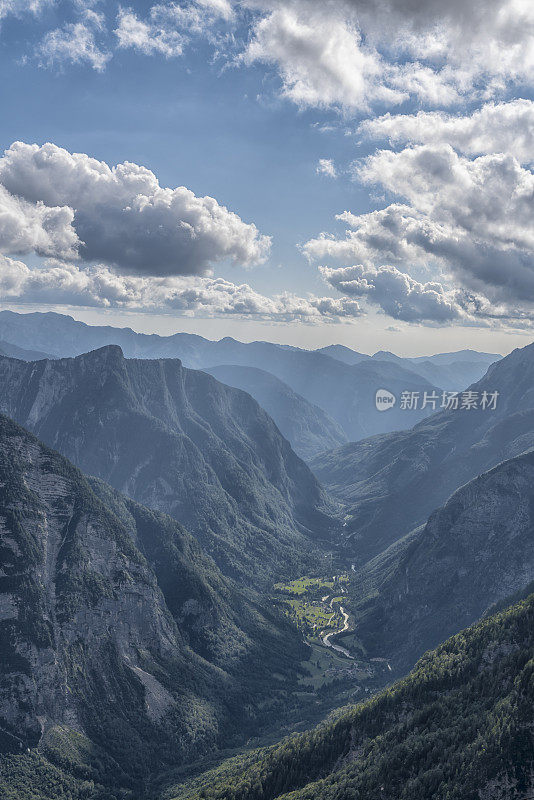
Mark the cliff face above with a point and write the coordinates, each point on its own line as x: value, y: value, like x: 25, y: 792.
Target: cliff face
x: 473, y: 552
x: 115, y: 627
x: 180, y: 442
x: 85, y: 635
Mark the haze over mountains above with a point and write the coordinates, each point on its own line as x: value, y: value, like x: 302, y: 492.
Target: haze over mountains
x: 345, y: 392
x: 452, y: 371
x: 309, y: 429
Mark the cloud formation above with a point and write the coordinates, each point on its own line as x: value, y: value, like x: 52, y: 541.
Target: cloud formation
x: 320, y: 57
x: 346, y: 54
x: 122, y: 216
x: 36, y: 228
x: 101, y: 287
x: 471, y: 218
x: 397, y: 294
x: 75, y: 43
x: 494, y: 128
x: 352, y: 54
x: 168, y: 27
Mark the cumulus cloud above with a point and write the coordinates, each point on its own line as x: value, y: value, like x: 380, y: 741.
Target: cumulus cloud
x: 75, y: 43
x: 471, y: 218
x: 168, y: 27
x: 494, y: 128
x: 123, y: 216
x: 320, y: 56
x: 326, y: 166
x: 400, y: 296
x: 490, y: 198
x: 33, y: 227
x: 356, y: 53
x: 347, y: 54
x: 397, y: 294
x: 102, y: 287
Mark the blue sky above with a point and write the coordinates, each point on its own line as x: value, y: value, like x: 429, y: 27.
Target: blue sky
x: 287, y: 115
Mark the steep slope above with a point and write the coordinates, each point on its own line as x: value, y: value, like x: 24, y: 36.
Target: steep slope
x: 345, y: 393
x: 459, y: 727
x: 177, y: 441
x: 307, y: 427
x: 122, y: 648
x: 474, y: 552
x: 393, y: 482
x: 87, y: 640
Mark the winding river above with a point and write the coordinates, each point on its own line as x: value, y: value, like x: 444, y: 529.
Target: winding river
x: 326, y: 639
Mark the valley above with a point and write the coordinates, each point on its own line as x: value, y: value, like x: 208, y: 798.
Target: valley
x: 314, y: 605
x: 181, y: 591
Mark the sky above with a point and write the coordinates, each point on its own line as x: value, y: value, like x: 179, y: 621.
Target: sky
x: 305, y: 171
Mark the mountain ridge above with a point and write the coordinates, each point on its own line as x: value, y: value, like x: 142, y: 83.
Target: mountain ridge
x: 311, y: 374
x: 178, y: 441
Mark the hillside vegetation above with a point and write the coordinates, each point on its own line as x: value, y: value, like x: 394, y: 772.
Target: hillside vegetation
x: 459, y: 727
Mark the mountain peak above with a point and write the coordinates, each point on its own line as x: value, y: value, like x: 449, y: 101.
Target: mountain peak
x: 108, y: 354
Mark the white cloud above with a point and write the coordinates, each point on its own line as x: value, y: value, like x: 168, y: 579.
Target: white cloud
x: 470, y: 218
x: 75, y: 43
x: 494, y: 128
x: 102, y: 287
x: 352, y: 54
x: 33, y: 227
x: 401, y: 297
x: 148, y: 37
x: 397, y: 294
x: 124, y: 217
x: 326, y: 167
x: 490, y: 198
x: 168, y: 27
x: 320, y: 56
x: 19, y: 7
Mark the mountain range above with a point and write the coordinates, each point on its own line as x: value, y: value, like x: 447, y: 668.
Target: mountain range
x: 138, y: 634
x: 310, y: 374
x: 180, y: 442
